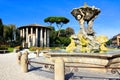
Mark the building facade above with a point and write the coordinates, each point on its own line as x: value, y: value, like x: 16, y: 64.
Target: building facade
x: 116, y: 40
x: 34, y: 35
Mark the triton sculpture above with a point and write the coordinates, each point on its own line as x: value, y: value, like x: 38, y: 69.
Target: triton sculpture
x: 85, y: 40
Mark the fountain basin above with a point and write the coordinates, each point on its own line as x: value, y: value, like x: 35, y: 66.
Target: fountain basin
x: 99, y: 62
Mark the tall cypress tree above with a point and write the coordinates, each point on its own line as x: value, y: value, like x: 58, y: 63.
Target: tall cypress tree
x: 1, y: 29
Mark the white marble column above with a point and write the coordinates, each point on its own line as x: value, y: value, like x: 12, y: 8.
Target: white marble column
x: 23, y: 36
x: 41, y: 37
x: 21, y: 33
x: 36, y: 38
x: 32, y: 36
x: 48, y: 40
x: 26, y: 35
x: 45, y: 38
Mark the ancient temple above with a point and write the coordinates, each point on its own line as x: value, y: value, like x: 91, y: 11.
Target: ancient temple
x: 34, y: 35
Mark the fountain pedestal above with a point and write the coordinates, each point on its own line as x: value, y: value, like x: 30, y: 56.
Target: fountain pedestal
x: 95, y: 62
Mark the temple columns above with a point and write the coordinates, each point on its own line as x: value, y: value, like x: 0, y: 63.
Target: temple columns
x: 36, y: 37
x: 23, y: 36
x: 26, y: 35
x: 31, y: 38
x: 21, y: 33
x: 44, y: 37
x: 41, y: 37
x: 48, y: 38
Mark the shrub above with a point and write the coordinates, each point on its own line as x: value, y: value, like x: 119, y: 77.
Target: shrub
x: 35, y: 48
x: 18, y: 47
x: 46, y: 48
x: 3, y: 47
x: 39, y: 48
x: 64, y: 41
x: 10, y: 49
x: 57, y: 48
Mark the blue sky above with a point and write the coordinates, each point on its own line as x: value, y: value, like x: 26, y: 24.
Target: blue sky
x: 23, y: 12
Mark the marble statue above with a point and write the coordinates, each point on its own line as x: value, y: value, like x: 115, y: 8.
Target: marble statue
x: 86, y: 41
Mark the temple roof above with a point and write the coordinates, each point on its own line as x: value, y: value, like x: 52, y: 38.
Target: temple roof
x: 33, y: 25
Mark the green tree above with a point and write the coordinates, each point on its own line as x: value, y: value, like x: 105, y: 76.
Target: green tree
x: 6, y: 32
x: 17, y: 32
x: 60, y: 21
x: 53, y: 35
x: 49, y: 20
x: 65, y: 41
x: 1, y: 29
x: 69, y: 31
x: 18, y: 38
x: 109, y: 42
x: 62, y: 33
x: 12, y: 29
x: 9, y: 34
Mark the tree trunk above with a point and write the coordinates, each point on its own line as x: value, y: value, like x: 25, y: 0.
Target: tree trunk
x: 59, y: 28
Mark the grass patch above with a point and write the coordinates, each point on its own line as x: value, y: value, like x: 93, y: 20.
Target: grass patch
x: 10, y: 49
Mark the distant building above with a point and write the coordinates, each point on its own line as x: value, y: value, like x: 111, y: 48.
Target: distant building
x: 116, y: 40
x: 34, y: 35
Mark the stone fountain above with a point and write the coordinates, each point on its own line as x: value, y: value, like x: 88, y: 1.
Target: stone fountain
x: 85, y: 40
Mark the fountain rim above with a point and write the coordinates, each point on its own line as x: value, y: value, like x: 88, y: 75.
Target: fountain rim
x: 81, y: 54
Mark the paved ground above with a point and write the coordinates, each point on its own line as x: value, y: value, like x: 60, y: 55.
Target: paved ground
x: 10, y: 70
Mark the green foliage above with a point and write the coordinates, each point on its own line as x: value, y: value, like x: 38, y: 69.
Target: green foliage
x: 49, y: 20
x: 59, y: 20
x: 1, y: 29
x: 52, y: 28
x: 38, y: 48
x: 63, y: 33
x: 10, y: 49
x: 35, y: 48
x: 6, y: 32
x: 56, y: 19
x: 69, y: 31
x: 18, y: 38
x: 10, y: 32
x: 60, y: 37
x: 3, y: 47
x: 61, y: 41
x: 109, y: 42
x: 64, y: 40
x: 53, y: 34
x: 18, y: 47
x: 12, y: 29
x: 6, y: 47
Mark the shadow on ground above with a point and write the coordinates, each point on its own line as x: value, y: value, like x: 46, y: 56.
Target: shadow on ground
x: 72, y: 76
